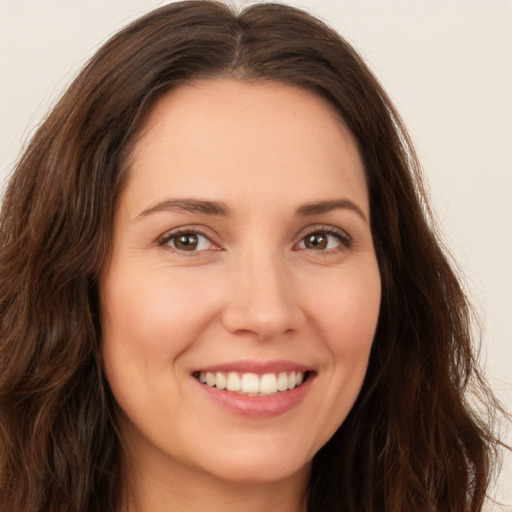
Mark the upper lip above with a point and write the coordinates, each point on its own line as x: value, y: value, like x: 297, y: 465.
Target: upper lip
x: 258, y: 367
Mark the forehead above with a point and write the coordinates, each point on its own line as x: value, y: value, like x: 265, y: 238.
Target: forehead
x: 223, y: 135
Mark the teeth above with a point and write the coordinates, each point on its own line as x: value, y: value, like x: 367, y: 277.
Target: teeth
x: 268, y: 384
x: 292, y: 380
x: 220, y: 381
x: 210, y: 379
x: 233, y: 382
x: 282, y: 382
x: 251, y: 383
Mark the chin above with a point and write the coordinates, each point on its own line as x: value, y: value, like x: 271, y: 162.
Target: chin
x: 257, y: 464
x: 263, y: 472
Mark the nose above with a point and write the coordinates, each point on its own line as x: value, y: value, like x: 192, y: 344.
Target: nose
x: 262, y: 302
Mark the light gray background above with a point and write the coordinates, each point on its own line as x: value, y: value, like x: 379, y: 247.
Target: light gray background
x: 447, y: 64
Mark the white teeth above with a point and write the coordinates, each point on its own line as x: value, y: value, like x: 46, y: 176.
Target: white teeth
x: 251, y: 383
x: 220, y: 381
x: 233, y: 382
x: 268, y: 384
x: 282, y: 382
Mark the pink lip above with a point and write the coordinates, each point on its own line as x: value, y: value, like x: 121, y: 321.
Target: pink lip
x: 258, y: 407
x: 258, y: 367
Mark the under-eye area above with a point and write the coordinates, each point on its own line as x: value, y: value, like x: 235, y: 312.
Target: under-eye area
x: 253, y: 384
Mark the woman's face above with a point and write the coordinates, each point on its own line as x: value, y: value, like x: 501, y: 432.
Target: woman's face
x: 243, y: 257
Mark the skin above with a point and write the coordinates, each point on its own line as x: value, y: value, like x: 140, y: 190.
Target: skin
x: 253, y: 289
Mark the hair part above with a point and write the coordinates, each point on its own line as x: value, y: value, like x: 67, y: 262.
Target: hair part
x: 412, y: 440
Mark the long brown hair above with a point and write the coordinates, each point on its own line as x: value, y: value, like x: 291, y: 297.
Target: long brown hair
x: 412, y: 440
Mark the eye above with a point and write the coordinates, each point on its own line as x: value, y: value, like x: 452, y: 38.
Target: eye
x: 325, y: 240
x: 187, y: 241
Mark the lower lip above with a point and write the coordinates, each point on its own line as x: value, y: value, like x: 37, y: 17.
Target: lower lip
x: 266, y: 406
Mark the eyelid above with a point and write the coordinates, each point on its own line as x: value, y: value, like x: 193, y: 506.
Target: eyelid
x: 345, y: 238
x: 182, y: 230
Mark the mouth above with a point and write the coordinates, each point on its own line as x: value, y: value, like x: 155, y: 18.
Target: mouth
x: 256, y: 390
x: 253, y: 384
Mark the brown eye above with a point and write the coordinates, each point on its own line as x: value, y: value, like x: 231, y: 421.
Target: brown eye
x: 316, y: 241
x: 188, y: 242
x: 325, y: 241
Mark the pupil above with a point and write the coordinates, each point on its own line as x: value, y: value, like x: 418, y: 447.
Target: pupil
x: 187, y: 242
x: 317, y: 241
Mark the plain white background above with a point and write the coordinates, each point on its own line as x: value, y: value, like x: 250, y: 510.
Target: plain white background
x: 447, y: 65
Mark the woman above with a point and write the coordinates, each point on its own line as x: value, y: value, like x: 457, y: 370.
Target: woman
x: 221, y: 288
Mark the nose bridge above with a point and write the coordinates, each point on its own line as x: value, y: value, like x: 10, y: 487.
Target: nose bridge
x: 262, y: 300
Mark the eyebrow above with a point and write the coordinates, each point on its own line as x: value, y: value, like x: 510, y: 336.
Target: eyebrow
x: 329, y: 206
x: 219, y: 208
x: 188, y: 205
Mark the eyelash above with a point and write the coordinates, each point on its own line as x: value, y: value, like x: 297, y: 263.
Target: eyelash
x: 174, y: 235
x: 345, y: 241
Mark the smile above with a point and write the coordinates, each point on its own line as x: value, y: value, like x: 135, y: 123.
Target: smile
x: 252, y: 384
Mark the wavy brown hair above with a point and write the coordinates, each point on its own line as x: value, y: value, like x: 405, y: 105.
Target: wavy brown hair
x: 412, y: 442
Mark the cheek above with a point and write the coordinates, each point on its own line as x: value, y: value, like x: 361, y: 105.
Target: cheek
x: 156, y: 317
x: 347, y: 314
x: 344, y: 309
x: 348, y: 307
x: 147, y: 323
